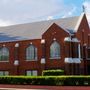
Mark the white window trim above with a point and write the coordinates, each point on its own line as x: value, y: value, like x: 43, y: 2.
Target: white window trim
x: 4, y: 61
x: 35, y: 59
x: 31, y: 60
x: 32, y: 72
x: 43, y: 61
x: 76, y: 60
x: 4, y: 73
x: 79, y: 51
x: 55, y: 58
x: 68, y: 60
x: 72, y: 60
x: 4, y: 52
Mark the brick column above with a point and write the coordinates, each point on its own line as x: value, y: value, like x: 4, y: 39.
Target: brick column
x: 68, y: 55
x: 43, y: 60
x: 16, y: 61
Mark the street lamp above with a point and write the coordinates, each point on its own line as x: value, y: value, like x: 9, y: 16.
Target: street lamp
x: 16, y: 64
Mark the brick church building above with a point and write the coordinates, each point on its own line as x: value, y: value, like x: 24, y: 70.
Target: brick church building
x: 28, y: 49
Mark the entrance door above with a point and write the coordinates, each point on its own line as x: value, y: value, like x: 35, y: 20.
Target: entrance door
x: 88, y: 69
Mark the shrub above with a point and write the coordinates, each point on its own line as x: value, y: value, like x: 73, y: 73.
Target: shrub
x: 46, y: 80
x: 53, y: 72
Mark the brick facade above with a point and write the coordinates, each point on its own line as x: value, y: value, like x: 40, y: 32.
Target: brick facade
x: 68, y: 49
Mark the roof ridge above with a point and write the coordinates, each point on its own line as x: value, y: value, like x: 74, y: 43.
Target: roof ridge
x: 38, y: 21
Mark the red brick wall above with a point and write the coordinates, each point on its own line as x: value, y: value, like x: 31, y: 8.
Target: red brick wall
x: 59, y: 34
x: 82, y: 35
x: 24, y: 65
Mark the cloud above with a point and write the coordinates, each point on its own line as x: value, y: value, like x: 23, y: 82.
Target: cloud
x: 8, y: 1
x: 24, y: 11
x: 4, y: 1
x: 70, y: 13
x: 87, y: 6
x: 49, y: 17
x: 21, y: 11
x: 5, y: 23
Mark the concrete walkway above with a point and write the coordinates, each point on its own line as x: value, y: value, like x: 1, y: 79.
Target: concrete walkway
x: 19, y: 89
x: 36, y: 87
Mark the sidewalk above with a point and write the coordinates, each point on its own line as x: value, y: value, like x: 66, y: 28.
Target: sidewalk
x: 14, y: 89
x: 19, y: 89
x: 23, y: 87
x: 36, y: 87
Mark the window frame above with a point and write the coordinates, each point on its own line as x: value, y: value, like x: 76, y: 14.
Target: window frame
x: 87, y: 54
x: 32, y: 72
x: 8, y: 55
x: 57, y: 49
x: 4, y: 73
x: 27, y: 56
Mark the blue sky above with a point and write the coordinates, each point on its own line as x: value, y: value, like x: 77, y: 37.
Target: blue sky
x: 25, y: 11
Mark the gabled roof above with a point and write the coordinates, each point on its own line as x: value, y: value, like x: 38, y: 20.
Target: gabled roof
x: 36, y: 29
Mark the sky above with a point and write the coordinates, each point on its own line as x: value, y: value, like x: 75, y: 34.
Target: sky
x: 26, y: 11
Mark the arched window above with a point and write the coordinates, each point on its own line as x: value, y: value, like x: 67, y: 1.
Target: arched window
x: 31, y: 52
x: 55, y: 50
x: 4, y: 54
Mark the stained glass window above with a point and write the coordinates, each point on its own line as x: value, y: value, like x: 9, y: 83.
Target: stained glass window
x: 31, y: 52
x: 4, y: 54
x: 55, y: 50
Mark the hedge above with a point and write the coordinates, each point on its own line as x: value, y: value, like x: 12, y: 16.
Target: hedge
x: 46, y: 80
x: 57, y: 72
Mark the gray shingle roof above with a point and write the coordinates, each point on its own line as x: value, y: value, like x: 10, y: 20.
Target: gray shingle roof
x: 34, y: 30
